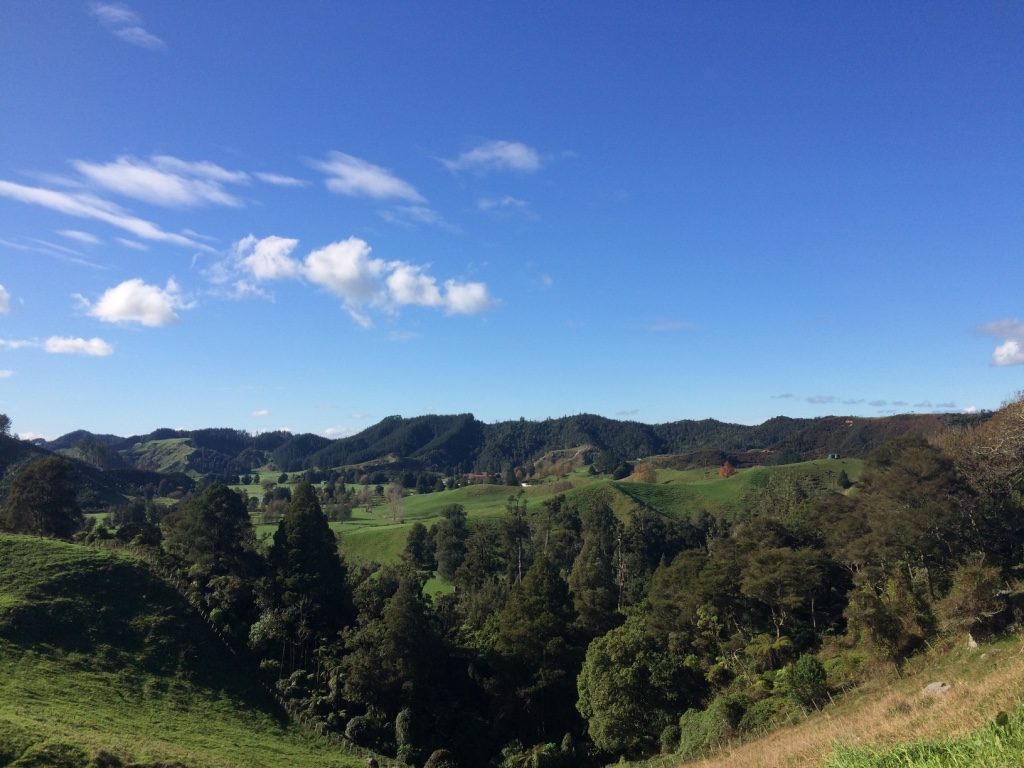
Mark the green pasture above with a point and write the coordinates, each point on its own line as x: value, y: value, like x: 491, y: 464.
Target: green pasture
x: 101, y: 660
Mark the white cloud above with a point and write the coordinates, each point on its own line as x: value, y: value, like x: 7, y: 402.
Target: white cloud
x: 466, y: 298
x: 260, y: 413
x: 135, y: 246
x: 5, y: 374
x: 1008, y: 353
x: 82, y: 237
x: 408, y: 285
x: 126, y: 24
x: 335, y: 432
x: 497, y: 156
x: 346, y: 269
x: 90, y: 207
x: 414, y: 214
x: 278, y: 180
x: 5, y: 301
x: 498, y: 203
x: 349, y: 175
x: 17, y: 344
x: 63, y: 345
x: 1011, y: 351
x: 134, y: 301
x: 971, y: 409
x: 268, y: 258
x: 166, y: 181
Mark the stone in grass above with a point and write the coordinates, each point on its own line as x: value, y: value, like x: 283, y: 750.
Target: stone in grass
x: 937, y: 689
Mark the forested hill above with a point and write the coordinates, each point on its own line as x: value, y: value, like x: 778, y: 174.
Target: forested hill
x: 464, y: 444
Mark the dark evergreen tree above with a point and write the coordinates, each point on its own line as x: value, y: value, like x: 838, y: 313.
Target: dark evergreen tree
x: 42, y: 501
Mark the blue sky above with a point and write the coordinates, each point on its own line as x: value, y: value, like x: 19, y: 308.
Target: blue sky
x: 314, y: 215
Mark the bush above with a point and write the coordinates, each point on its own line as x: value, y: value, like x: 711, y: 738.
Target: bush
x: 702, y: 731
x: 768, y: 714
x: 807, y: 681
x: 441, y: 758
x: 669, y: 739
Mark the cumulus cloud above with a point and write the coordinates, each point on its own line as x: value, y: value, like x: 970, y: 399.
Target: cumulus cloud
x: 971, y: 409
x: 350, y: 175
x: 408, y: 285
x: 165, y: 180
x: 63, y: 345
x: 91, y: 207
x: 5, y: 301
x: 348, y: 270
x: 126, y: 24
x: 134, y: 301
x: 466, y: 298
x: 1011, y: 351
x: 496, y: 156
x: 335, y: 432
x: 268, y: 258
x: 81, y: 237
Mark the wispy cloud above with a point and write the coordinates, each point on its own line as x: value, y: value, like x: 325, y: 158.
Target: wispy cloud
x: 134, y: 301
x: 279, y: 180
x: 352, y: 176
x: 260, y: 413
x: 90, y: 207
x: 134, y: 245
x: 1011, y: 351
x: 126, y: 24
x: 506, y: 204
x: 6, y: 374
x: 5, y: 301
x: 79, y: 236
x: 821, y: 399
x: 414, y: 214
x: 783, y: 396
x: 165, y: 180
x: 630, y: 412
x: 496, y: 156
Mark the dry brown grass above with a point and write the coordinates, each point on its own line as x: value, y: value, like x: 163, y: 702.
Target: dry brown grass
x: 884, y: 712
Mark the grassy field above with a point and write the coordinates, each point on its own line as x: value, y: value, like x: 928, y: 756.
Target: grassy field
x: 98, y: 657
x: 375, y: 536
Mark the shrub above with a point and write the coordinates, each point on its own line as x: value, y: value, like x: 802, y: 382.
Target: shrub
x: 807, y: 681
x: 669, y: 739
x: 768, y: 714
x: 441, y: 758
x: 702, y: 731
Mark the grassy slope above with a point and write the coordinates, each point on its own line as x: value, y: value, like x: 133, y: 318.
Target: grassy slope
x: 170, y: 455
x: 872, y: 725
x: 96, y: 654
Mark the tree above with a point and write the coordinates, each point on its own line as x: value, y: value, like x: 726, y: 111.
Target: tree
x: 631, y: 686
x: 417, y: 548
x: 450, y: 536
x: 42, y: 501
x: 211, y: 530
x: 394, y: 497
x: 310, y: 598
